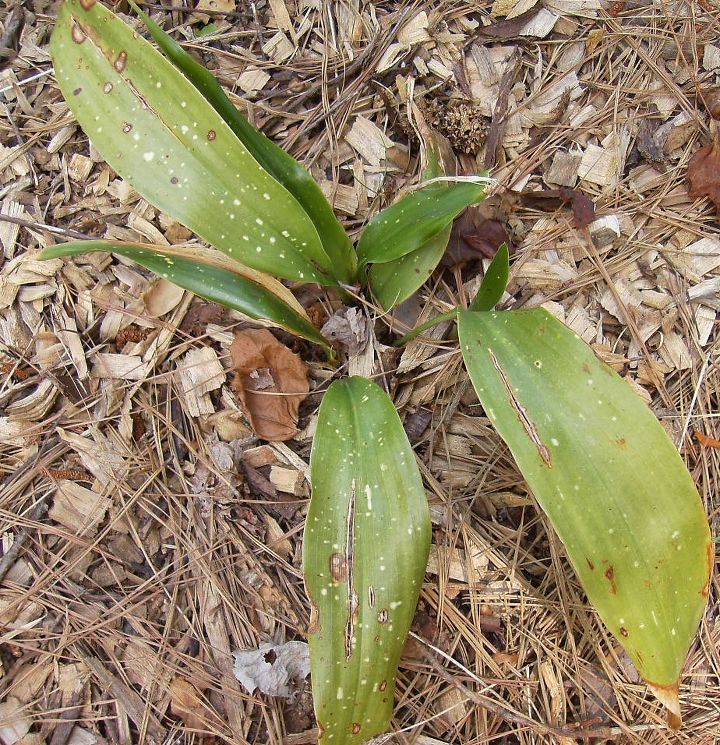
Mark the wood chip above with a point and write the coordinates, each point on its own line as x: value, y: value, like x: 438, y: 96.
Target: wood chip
x: 368, y: 140
x: 287, y: 480
x: 252, y: 80
x: 162, y: 297
x: 9, y: 231
x: 278, y: 48
x: 77, y: 508
x: 415, y: 31
x: 458, y: 565
x: 200, y: 373
x: 563, y: 170
x: 119, y: 367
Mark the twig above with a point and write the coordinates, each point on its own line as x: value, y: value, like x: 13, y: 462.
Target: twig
x: 38, y: 513
x: 39, y: 226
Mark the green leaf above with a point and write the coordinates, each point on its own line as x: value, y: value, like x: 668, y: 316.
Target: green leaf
x: 158, y: 132
x: 212, y: 276
x: 208, y: 30
x: 365, y: 548
x: 415, y: 219
x: 608, y: 477
x: 494, y: 282
x: 279, y: 164
x: 395, y: 281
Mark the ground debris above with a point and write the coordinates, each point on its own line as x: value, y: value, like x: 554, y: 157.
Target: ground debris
x: 271, y: 383
x: 173, y: 536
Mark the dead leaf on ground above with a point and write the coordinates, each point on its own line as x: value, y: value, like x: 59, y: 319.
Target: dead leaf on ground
x: 475, y: 236
x: 599, y: 694
x: 274, y: 670
x: 199, y: 316
x: 186, y: 704
x: 551, y: 199
x: 349, y: 327
x: 711, y: 100
x: 271, y: 383
x: 509, y: 28
x: 706, y: 441
x: 703, y: 174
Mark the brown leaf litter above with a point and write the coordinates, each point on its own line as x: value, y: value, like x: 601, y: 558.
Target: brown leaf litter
x: 703, y: 173
x: 145, y: 533
x: 271, y: 383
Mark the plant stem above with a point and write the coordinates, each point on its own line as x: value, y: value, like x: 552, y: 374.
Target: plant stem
x: 448, y: 316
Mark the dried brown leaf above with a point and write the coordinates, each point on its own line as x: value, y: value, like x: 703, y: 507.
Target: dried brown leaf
x: 199, y: 316
x: 186, y: 704
x: 509, y: 28
x: 551, y: 199
x: 271, y: 383
x: 703, y: 174
x: 473, y: 237
x: 711, y: 99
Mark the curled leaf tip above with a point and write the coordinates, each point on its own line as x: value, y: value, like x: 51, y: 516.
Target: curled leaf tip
x: 669, y: 697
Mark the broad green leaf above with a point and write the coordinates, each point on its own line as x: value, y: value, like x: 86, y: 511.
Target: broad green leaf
x: 608, y: 477
x: 494, y: 282
x: 158, y: 132
x: 415, y: 219
x: 279, y: 164
x: 395, y: 281
x: 365, y: 548
x: 212, y: 276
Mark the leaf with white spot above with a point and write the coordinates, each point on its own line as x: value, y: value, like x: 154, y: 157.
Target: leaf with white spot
x: 365, y: 548
x: 160, y: 134
x: 279, y: 164
x: 212, y: 276
x: 395, y: 281
x: 416, y: 219
x: 608, y: 477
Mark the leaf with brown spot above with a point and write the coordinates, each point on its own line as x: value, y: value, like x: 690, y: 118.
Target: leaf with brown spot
x: 703, y: 174
x: 365, y: 549
x: 210, y: 183
x: 608, y: 477
x: 271, y: 383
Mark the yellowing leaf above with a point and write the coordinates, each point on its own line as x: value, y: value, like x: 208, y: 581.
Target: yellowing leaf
x: 608, y: 477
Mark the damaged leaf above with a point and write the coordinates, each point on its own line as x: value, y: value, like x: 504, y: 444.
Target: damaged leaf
x: 606, y: 474
x: 210, y: 275
x: 157, y: 131
x: 279, y: 164
x: 703, y: 174
x: 365, y: 548
x: 275, y: 670
x: 271, y: 383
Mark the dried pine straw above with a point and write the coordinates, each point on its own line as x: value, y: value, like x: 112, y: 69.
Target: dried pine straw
x: 146, y: 534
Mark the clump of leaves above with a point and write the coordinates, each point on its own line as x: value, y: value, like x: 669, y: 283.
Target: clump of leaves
x: 639, y: 544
